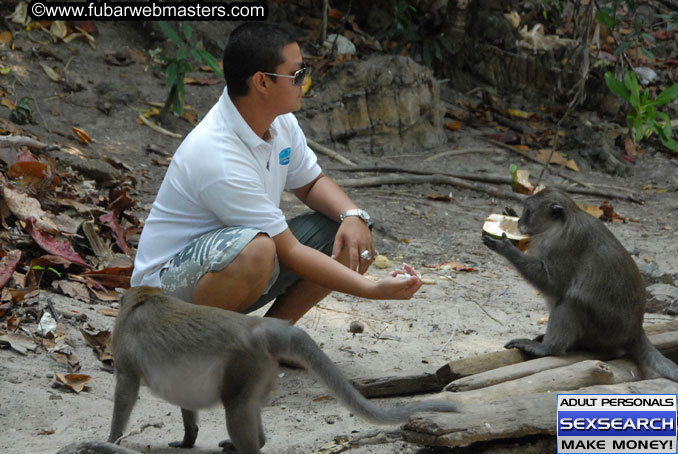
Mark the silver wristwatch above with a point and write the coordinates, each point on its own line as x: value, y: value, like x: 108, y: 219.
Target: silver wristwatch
x: 362, y: 214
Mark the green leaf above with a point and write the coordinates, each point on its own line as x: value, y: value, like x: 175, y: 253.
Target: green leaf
x: 622, y: 48
x: 211, y: 62
x: 616, y: 86
x: 513, y: 169
x: 170, y: 33
x: 638, y: 127
x: 666, y: 96
x: 603, y: 16
x: 446, y: 43
x: 647, y: 52
x: 188, y: 31
x: 631, y: 82
x: 171, y: 74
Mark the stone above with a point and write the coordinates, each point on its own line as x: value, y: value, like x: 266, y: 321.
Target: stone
x: 383, y: 104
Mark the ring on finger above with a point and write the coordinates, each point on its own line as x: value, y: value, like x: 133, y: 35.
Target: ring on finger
x: 366, y: 255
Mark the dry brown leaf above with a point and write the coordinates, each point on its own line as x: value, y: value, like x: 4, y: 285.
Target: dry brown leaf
x: 450, y: 265
x: 74, y: 382
x: 453, y: 125
x: 100, y: 341
x: 75, y: 290
x: 557, y: 158
x: 58, y: 29
x: 593, y: 210
x: 519, y: 113
x: 439, y: 197
x: 81, y: 135
x: 51, y: 73
x: 632, y: 150
x: 8, y: 103
x: 109, y: 312
x: 23, y: 207
x: 19, y: 343
x: 5, y: 37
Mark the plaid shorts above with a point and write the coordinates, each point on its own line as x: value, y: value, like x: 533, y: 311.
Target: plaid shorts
x: 215, y: 250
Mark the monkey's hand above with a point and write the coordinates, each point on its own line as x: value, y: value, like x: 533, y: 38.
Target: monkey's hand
x: 502, y: 246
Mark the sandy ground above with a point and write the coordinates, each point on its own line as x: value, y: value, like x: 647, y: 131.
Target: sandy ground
x: 458, y: 315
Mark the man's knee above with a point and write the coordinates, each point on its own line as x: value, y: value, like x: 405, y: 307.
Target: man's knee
x: 257, y: 259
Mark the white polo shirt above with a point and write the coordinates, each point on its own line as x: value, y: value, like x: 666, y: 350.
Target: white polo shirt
x: 223, y: 175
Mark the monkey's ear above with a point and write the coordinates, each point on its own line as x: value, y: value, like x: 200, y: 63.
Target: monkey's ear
x: 557, y: 210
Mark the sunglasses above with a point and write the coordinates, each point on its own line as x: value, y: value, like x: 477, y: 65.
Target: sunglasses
x: 298, y: 75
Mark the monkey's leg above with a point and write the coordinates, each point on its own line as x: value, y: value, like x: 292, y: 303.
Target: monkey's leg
x: 562, y: 333
x: 126, y: 392
x: 243, y: 421
x: 190, y: 430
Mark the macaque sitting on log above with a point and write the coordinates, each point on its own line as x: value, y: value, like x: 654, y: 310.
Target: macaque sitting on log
x: 595, y: 293
x: 195, y: 356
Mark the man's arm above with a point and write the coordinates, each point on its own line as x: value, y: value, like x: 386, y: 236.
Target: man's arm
x: 313, y: 265
x: 323, y: 195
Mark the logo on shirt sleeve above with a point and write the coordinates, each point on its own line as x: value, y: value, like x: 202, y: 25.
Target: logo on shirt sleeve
x: 284, y: 156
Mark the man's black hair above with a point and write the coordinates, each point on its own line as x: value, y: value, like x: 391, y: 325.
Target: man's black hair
x: 253, y: 47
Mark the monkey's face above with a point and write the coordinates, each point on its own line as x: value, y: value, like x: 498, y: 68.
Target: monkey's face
x: 541, y: 212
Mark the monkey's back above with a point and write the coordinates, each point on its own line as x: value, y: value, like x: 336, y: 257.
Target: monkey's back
x: 599, y: 278
x: 203, y: 341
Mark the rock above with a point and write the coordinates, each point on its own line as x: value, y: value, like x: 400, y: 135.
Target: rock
x: 356, y: 327
x: 343, y: 44
x: 384, y: 104
x: 662, y: 298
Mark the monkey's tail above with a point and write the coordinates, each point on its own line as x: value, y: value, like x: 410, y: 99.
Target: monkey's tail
x: 650, y: 358
x: 303, y: 348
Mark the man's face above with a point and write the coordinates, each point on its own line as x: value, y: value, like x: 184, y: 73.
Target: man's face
x: 284, y: 93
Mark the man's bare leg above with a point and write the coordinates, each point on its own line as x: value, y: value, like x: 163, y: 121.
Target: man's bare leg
x: 301, y: 297
x: 243, y: 281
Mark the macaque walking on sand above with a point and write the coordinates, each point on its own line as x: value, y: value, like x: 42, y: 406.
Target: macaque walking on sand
x: 195, y: 356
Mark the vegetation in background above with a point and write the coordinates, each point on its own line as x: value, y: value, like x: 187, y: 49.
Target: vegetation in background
x: 176, y: 66
x: 404, y: 30
x: 644, y: 119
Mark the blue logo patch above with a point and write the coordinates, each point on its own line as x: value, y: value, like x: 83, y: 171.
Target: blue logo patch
x: 284, y: 156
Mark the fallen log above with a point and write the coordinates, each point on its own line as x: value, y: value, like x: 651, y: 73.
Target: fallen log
x: 17, y: 141
x: 329, y: 152
x: 398, y: 385
x: 493, y: 367
x: 513, y: 417
x: 567, y: 378
x: 489, y: 361
x: 513, y: 372
x: 432, y: 179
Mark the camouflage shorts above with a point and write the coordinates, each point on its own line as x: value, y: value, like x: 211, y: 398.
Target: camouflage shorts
x: 215, y: 250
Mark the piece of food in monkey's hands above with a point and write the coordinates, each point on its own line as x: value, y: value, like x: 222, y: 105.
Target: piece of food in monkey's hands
x: 194, y: 356
x: 497, y: 224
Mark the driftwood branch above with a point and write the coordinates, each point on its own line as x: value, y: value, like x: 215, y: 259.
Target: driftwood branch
x: 94, y: 447
x: 567, y: 378
x: 494, y: 179
x: 329, y: 152
x: 17, y: 141
x: 492, y: 368
x: 432, y: 179
x: 398, y: 385
x: 474, y: 365
x: 514, y: 417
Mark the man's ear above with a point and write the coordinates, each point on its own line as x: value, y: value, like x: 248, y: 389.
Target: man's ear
x: 258, y: 82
